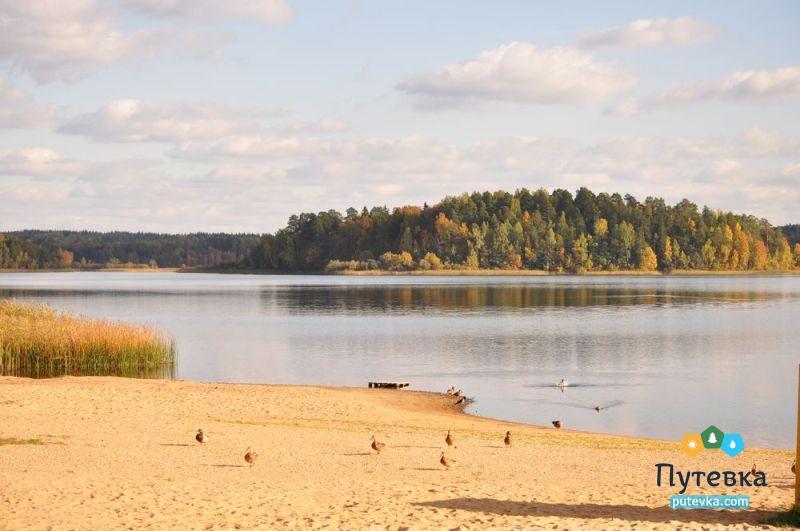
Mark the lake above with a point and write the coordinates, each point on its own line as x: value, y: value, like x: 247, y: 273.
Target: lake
x: 664, y: 355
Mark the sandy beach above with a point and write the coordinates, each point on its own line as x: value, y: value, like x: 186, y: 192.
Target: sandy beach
x: 112, y: 453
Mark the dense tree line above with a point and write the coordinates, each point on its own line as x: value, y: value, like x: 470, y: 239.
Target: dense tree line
x: 33, y: 249
x: 792, y: 233
x: 524, y: 230
x: 528, y: 230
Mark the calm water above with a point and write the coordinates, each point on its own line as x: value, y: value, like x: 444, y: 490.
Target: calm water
x: 667, y: 355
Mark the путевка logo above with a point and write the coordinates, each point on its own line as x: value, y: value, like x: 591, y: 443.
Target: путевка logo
x: 712, y: 438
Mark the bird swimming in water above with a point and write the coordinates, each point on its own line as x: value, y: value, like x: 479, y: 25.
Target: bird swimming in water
x: 562, y: 383
x: 451, y: 390
x: 598, y: 408
x: 250, y: 456
x: 377, y: 446
x: 507, y: 440
x: 557, y: 424
x: 201, y: 437
x: 447, y: 462
x: 449, y: 439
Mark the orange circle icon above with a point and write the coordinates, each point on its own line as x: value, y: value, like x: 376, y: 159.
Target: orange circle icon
x: 692, y: 444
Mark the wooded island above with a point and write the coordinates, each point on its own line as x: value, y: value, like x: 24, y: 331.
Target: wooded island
x: 525, y: 230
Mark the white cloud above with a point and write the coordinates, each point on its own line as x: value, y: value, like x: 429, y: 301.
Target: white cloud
x: 39, y: 162
x: 263, y: 11
x: 186, y: 123
x: 416, y: 168
x: 520, y: 73
x: 681, y: 31
x: 758, y: 142
x: 19, y: 111
x: 627, y: 107
x: 378, y: 156
x: 132, y: 120
x: 65, y: 39
x: 792, y: 170
x: 782, y: 83
x: 326, y: 125
x: 722, y: 171
x: 254, y: 182
x: 744, y: 85
x: 274, y: 146
x: 512, y: 154
x: 788, y: 176
x: 68, y: 39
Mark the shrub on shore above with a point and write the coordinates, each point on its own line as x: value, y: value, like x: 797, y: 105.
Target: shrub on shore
x: 352, y: 265
x: 38, y: 341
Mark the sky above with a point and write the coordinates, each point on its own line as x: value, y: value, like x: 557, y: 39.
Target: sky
x: 232, y: 115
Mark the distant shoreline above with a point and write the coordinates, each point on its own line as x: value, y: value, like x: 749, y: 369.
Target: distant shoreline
x: 421, y: 273
x: 97, y: 269
x: 528, y: 272
x: 494, y: 272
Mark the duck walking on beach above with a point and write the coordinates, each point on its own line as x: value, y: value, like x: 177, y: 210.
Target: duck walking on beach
x: 458, y: 393
x: 557, y: 424
x: 250, y: 456
x: 451, y: 390
x: 794, y: 468
x: 754, y: 469
x: 507, y: 440
x: 446, y: 462
x: 377, y: 446
x: 461, y: 400
x: 449, y: 439
x: 201, y: 437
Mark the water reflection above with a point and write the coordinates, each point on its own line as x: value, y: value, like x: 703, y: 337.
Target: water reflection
x: 594, y: 407
x: 404, y: 299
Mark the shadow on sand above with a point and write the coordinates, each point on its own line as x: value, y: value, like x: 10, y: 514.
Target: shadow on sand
x: 630, y: 513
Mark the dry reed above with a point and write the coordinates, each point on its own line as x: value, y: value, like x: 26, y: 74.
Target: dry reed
x: 38, y: 341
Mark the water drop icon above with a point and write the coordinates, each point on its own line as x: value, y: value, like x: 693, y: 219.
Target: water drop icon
x: 732, y: 444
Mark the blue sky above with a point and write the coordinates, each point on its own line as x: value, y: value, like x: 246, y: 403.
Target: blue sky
x: 178, y: 115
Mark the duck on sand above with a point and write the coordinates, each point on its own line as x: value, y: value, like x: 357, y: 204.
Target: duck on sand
x: 377, y: 446
x: 250, y: 457
x: 108, y: 453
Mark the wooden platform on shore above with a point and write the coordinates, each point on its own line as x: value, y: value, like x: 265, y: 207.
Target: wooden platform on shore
x: 388, y: 385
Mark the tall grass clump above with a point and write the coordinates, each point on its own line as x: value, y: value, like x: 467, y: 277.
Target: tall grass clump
x: 38, y: 341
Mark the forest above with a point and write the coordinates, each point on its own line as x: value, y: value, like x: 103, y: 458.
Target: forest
x: 35, y: 249
x: 537, y: 230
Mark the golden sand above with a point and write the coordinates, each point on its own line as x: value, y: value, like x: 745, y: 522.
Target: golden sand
x: 112, y: 453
